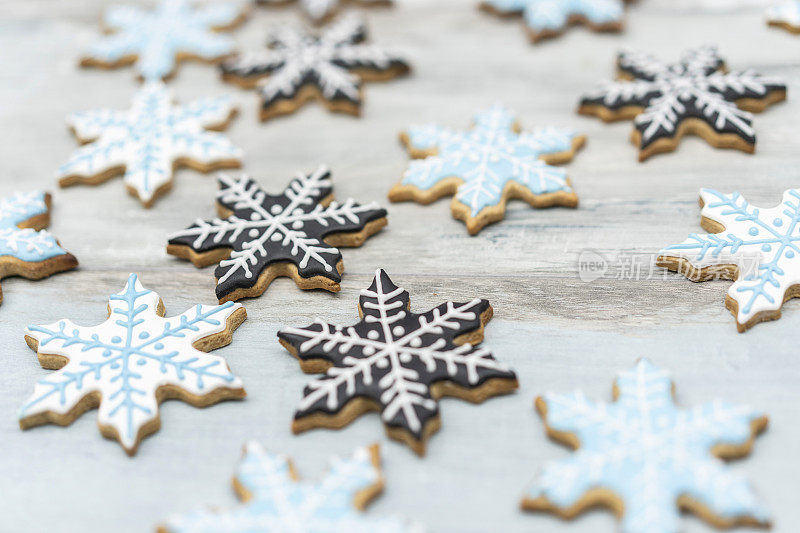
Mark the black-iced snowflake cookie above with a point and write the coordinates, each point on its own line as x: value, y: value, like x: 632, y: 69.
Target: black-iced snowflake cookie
x: 298, y: 66
x: 396, y: 362
x: 258, y: 237
x: 695, y: 96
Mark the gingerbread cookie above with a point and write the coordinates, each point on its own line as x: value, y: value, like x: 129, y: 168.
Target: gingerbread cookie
x: 329, y: 67
x: 486, y: 166
x: 156, y: 40
x: 644, y: 458
x: 259, y: 237
x: 395, y: 362
x: 276, y: 500
x: 149, y: 141
x: 785, y: 15
x: 130, y: 363
x: 320, y: 11
x: 757, y: 248
x: 26, y: 249
x: 550, y: 18
x: 695, y: 96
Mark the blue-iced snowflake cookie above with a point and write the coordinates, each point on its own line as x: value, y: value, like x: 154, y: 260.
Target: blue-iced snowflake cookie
x: 130, y: 363
x: 156, y: 40
x: 645, y: 458
x: 550, y: 18
x: 757, y: 248
x: 487, y: 165
x: 276, y: 501
x: 26, y: 249
x: 147, y: 142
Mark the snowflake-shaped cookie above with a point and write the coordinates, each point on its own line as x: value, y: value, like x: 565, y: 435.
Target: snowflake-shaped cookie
x: 299, y: 66
x: 486, y: 166
x: 157, y: 39
x: 696, y: 96
x: 261, y: 236
x: 26, y: 249
x: 644, y: 457
x: 149, y: 141
x: 320, y: 11
x: 131, y: 362
x: 396, y: 362
x: 276, y: 501
x: 758, y: 248
x: 550, y: 18
x: 785, y: 15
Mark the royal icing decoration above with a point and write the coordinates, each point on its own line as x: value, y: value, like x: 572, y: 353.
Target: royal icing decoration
x: 321, y: 10
x: 298, y: 66
x: 758, y: 248
x: 148, y: 141
x: 157, y: 39
x: 696, y: 95
x: 395, y: 361
x: 25, y: 248
x: 548, y: 18
x: 275, y: 500
x: 126, y: 364
x: 492, y: 163
x: 263, y: 232
x: 653, y: 456
x: 785, y: 15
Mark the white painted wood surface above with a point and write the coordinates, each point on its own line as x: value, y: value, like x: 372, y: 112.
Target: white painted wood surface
x: 558, y: 332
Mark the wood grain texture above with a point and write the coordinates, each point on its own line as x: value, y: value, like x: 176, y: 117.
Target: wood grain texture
x: 556, y: 331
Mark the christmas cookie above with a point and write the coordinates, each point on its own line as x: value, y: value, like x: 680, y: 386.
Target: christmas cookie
x: 320, y: 11
x: 26, y: 249
x: 147, y: 142
x: 785, y: 15
x: 486, y: 166
x: 395, y: 362
x: 156, y: 40
x: 758, y: 248
x: 695, y: 96
x: 130, y: 363
x: 276, y: 500
x: 550, y: 18
x: 298, y: 66
x: 644, y: 458
x: 259, y: 237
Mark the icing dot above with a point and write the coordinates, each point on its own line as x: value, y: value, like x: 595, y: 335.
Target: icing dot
x: 114, y: 366
x: 255, y: 216
x: 253, y: 233
x: 159, y: 346
x: 342, y: 349
x: 297, y: 224
x: 297, y: 212
x: 416, y: 342
x: 789, y: 253
x: 398, y: 331
x: 753, y: 231
x: 141, y: 362
x: 106, y: 353
x: 276, y: 237
x: 143, y: 335
x: 766, y: 248
x: 368, y: 350
x: 372, y: 334
x: 116, y: 340
x: 275, y: 209
x: 778, y: 222
x: 383, y: 363
x: 405, y: 357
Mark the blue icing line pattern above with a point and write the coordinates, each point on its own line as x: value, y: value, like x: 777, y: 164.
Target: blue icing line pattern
x: 763, y: 244
x: 649, y: 453
x: 487, y: 158
x: 149, y: 140
x: 124, y: 361
x: 276, y: 502
x: 27, y: 244
x: 553, y: 16
x: 157, y: 38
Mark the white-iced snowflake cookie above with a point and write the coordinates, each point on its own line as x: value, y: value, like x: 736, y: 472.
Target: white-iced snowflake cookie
x: 130, y: 363
x: 785, y: 15
x: 149, y: 141
x: 758, y: 248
